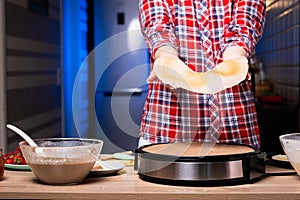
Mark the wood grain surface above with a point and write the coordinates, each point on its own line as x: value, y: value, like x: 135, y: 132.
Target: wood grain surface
x: 127, y: 185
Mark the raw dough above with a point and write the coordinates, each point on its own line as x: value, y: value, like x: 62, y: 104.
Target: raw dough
x: 174, y: 72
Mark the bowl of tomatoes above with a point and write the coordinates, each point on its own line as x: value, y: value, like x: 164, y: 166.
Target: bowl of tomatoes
x: 15, y: 160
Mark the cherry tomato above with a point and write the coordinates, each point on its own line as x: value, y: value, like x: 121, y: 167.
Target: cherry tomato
x: 9, y: 161
x: 18, y: 159
x: 8, y: 155
x: 24, y: 161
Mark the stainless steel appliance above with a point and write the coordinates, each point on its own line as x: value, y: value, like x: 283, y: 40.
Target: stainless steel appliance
x: 171, y: 169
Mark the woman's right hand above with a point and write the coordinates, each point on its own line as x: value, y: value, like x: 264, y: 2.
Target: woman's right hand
x: 165, y: 51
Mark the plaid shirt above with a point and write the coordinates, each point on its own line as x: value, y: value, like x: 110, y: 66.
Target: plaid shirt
x: 200, y: 30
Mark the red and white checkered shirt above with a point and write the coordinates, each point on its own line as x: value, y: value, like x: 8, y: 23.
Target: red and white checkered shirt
x: 200, y: 30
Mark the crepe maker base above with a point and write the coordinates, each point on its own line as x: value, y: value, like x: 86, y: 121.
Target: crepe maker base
x: 208, y: 183
x: 200, y: 171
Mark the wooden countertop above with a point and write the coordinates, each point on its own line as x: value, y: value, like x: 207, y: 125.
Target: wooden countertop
x: 127, y: 185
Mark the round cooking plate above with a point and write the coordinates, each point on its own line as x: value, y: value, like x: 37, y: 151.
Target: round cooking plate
x: 196, y: 164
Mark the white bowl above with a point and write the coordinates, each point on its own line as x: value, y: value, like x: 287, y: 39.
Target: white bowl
x: 291, y: 146
x: 62, y: 160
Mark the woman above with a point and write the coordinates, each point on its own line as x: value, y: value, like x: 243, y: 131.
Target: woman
x: 201, y: 34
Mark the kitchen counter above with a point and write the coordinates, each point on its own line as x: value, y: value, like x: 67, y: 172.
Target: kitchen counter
x: 127, y: 185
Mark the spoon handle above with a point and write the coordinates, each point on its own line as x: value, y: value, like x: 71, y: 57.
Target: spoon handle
x: 22, y: 134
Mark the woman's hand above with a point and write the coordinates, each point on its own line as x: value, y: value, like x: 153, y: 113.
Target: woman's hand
x: 234, y: 52
x: 165, y: 51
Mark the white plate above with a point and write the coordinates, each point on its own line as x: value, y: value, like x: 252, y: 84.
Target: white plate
x: 17, y: 167
x: 115, y: 167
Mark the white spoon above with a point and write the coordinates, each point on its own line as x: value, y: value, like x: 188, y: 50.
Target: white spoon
x: 25, y: 137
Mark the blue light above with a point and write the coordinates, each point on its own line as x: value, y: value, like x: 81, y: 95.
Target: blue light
x: 74, y: 42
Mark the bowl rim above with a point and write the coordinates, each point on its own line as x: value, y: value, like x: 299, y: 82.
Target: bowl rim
x: 289, y: 134
x: 24, y: 143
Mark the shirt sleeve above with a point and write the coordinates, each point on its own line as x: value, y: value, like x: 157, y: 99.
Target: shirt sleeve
x: 246, y: 26
x: 156, y: 24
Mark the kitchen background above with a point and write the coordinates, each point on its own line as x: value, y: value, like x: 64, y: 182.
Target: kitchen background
x: 43, y: 43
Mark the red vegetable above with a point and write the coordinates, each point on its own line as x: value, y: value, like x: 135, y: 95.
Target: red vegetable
x: 18, y: 159
x: 9, y: 161
x: 15, y: 157
x: 6, y: 156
